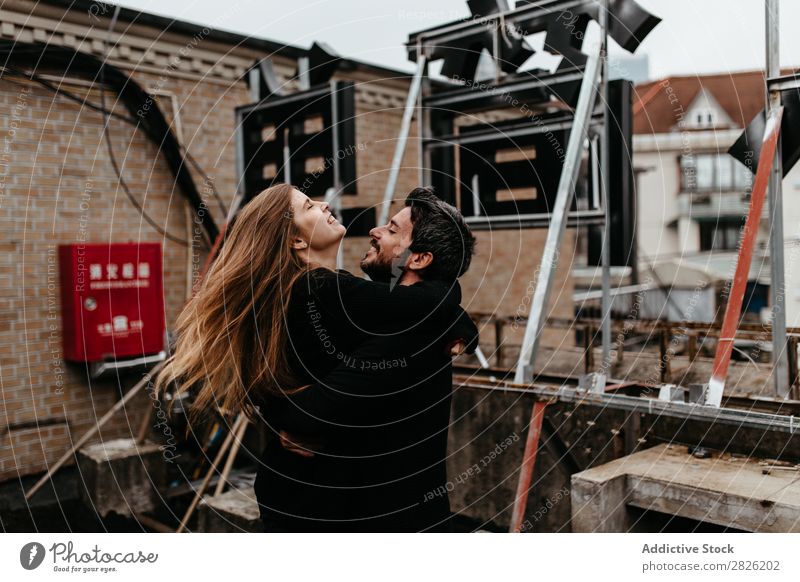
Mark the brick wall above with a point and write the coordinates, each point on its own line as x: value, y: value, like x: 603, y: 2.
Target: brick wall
x: 502, y: 279
x: 59, y: 187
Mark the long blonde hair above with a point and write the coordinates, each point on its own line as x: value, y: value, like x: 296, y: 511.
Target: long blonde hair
x: 232, y: 334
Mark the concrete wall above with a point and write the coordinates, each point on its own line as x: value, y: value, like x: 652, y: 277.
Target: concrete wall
x: 483, y: 420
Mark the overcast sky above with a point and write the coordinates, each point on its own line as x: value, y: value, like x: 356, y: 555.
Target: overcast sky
x: 695, y: 36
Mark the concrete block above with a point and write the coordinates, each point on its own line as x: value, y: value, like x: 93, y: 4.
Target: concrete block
x: 599, y: 505
x: 235, y: 511
x: 122, y: 477
x: 725, y: 490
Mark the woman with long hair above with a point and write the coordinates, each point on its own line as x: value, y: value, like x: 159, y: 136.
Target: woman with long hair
x: 273, y: 316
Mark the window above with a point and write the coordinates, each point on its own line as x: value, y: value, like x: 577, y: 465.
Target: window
x: 710, y: 172
x: 722, y: 234
x: 704, y: 169
x: 688, y: 174
x: 724, y: 173
x: 704, y: 118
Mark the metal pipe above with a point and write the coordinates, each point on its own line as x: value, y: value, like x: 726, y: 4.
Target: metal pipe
x: 482, y: 358
x: 275, y: 101
x: 579, y: 218
x: 226, y: 470
x: 605, y: 252
x: 287, y: 157
x: 517, y: 130
x: 738, y: 288
x: 476, y: 196
x: 337, y: 174
x: 198, y: 496
x: 780, y: 360
x: 555, y: 234
x: 334, y: 200
x: 543, y: 9
x: 188, y: 211
x: 333, y: 195
x: 422, y: 125
x: 528, y: 463
x: 594, y: 163
x: 729, y: 416
x: 240, y: 168
x: 512, y: 87
x: 400, y: 148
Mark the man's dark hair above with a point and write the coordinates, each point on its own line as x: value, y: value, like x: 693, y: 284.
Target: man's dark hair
x: 438, y: 228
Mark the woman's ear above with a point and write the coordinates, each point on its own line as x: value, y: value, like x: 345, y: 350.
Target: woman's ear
x: 299, y: 244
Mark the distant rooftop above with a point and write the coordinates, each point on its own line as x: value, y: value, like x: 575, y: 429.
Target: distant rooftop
x: 657, y: 105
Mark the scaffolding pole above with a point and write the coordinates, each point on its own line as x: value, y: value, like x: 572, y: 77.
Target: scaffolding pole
x: 400, y: 148
x: 733, y: 309
x: 605, y: 250
x: 558, y: 223
x: 780, y: 357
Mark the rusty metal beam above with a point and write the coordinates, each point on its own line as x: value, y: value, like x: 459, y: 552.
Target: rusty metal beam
x: 733, y: 309
x: 528, y: 462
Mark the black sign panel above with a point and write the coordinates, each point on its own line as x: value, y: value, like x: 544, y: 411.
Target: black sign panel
x: 314, y: 130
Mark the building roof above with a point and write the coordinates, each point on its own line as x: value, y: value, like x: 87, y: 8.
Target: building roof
x: 166, y: 24
x: 658, y: 106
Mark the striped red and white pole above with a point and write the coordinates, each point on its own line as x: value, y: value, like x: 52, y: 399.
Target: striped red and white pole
x: 733, y: 310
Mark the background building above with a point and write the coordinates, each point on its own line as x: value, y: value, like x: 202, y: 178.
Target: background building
x: 693, y: 197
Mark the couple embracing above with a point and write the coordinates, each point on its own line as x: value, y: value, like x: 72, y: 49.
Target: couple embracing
x: 352, y: 377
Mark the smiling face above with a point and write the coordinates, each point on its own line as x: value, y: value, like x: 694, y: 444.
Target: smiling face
x: 319, y: 229
x: 388, y: 244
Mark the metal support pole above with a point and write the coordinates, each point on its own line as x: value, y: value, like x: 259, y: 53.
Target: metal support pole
x: 558, y: 222
x: 605, y: 251
x: 423, y: 127
x: 780, y: 361
x: 120, y: 404
x: 400, y: 148
x: 287, y: 157
x: 337, y: 171
x: 476, y: 196
x: 240, y: 168
x: 528, y: 463
x: 333, y: 195
x: 496, y: 50
x: 334, y: 199
x: 482, y: 358
x: 254, y: 77
x: 738, y: 288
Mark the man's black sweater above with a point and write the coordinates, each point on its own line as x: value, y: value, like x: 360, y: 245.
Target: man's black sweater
x: 379, y: 400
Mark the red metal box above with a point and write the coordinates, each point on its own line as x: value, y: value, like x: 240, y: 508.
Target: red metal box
x: 112, y: 300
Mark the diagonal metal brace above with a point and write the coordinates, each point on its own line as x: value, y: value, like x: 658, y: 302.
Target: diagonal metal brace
x: 555, y: 233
